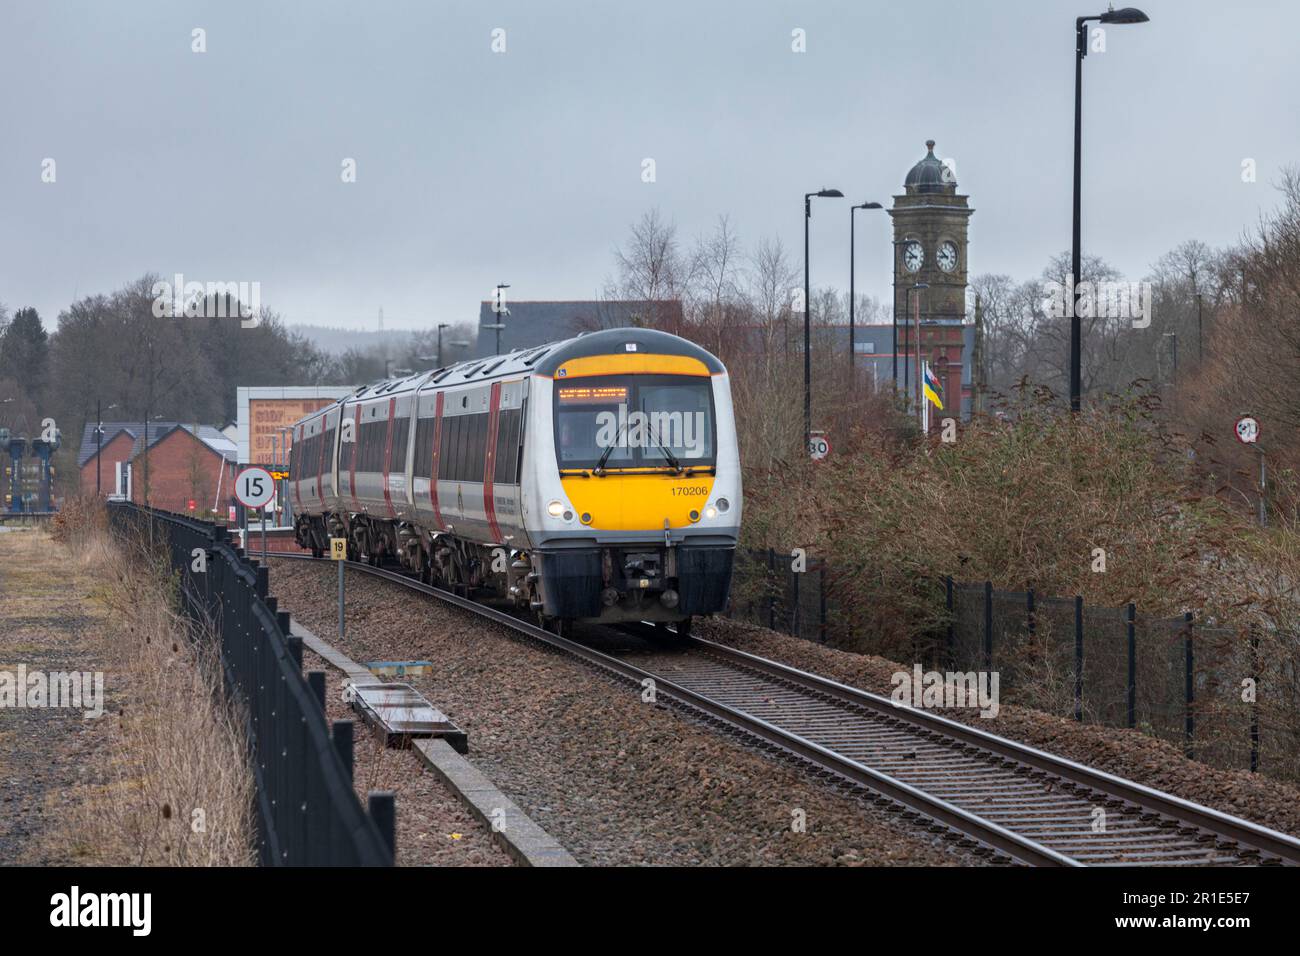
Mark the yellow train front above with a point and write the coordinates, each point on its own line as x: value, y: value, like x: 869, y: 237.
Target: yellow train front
x: 631, y: 501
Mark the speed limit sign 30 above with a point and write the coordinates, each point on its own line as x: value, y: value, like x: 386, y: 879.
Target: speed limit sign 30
x: 254, y: 487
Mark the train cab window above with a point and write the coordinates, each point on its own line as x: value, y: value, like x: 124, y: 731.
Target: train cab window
x: 634, y: 421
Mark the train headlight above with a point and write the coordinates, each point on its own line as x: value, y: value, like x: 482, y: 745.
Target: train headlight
x: 555, y: 508
x: 710, y: 512
x: 723, y: 504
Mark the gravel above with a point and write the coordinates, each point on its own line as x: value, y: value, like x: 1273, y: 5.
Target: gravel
x: 1124, y: 753
x: 615, y: 780
x: 433, y: 826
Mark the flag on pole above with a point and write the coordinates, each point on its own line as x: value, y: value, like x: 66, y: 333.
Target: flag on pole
x: 933, y: 388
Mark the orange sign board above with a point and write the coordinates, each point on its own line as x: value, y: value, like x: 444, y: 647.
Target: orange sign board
x: 266, y: 416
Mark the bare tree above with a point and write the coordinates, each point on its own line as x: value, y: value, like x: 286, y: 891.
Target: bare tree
x: 651, y: 267
x: 772, y: 277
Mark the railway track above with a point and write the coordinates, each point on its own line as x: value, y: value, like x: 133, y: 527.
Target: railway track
x: 996, y: 795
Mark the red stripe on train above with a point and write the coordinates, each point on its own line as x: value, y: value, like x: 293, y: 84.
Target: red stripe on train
x: 433, y: 469
x: 297, y: 472
x: 388, y: 454
x: 352, y: 464
x: 320, y: 463
x: 490, y: 460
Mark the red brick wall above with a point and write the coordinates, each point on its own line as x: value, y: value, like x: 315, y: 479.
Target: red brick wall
x: 180, y: 468
x: 119, y: 449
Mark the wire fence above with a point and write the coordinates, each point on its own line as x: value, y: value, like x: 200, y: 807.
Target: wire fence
x: 1211, y: 690
x: 307, y: 810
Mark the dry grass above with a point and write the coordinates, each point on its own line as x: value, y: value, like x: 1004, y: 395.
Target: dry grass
x: 181, y: 790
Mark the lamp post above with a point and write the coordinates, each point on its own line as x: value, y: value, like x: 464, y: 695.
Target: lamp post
x: 807, y: 310
x: 1122, y: 16
x: 441, y: 326
x: 496, y: 327
x: 907, y: 336
x: 852, y: 292
x: 499, y: 307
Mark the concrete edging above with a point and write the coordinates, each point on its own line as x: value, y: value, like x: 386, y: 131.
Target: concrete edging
x: 512, y: 830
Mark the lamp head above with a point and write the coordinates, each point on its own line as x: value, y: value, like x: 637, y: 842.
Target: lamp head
x: 1124, y: 15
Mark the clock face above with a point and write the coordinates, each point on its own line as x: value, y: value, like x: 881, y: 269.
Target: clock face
x: 947, y: 257
x: 913, y: 256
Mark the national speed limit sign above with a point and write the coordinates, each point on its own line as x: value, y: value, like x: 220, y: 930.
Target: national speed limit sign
x: 254, y: 487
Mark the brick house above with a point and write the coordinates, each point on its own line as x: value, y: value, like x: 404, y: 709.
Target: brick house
x: 185, y: 463
x: 119, y: 441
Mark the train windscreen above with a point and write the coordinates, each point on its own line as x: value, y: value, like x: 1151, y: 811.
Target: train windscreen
x: 634, y: 421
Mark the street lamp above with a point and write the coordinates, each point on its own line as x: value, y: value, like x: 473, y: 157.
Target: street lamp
x: 441, y: 326
x: 496, y: 327
x: 807, y: 307
x: 499, y: 307
x: 852, y: 264
x: 1122, y: 16
x: 907, y: 304
x: 99, y: 441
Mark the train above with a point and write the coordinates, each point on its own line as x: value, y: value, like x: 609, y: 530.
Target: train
x: 595, y: 479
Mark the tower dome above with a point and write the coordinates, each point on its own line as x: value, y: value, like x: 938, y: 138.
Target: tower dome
x: 930, y: 175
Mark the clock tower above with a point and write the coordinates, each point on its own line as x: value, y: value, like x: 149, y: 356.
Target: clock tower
x: 930, y: 245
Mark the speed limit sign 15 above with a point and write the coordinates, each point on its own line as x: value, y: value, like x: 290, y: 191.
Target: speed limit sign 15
x: 254, y: 487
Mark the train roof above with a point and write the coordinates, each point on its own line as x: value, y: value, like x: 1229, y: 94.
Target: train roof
x: 542, y: 360
x: 537, y: 360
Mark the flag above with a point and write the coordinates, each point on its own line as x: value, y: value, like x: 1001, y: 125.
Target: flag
x: 933, y: 389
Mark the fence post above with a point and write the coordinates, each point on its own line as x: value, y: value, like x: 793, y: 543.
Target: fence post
x: 771, y: 589
x: 342, y: 737
x: 316, y: 681
x: 796, y: 618
x: 1254, y: 703
x: 821, y: 602
x: 1078, y: 658
x: 1132, y: 665
x: 1190, y: 681
x: 988, y: 626
x: 1031, y: 616
x: 952, y: 649
x: 383, y: 810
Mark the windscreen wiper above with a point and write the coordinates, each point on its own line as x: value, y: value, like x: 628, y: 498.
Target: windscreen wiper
x: 599, y: 470
x: 672, y: 459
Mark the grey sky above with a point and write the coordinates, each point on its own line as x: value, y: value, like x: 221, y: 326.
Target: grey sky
x: 525, y: 167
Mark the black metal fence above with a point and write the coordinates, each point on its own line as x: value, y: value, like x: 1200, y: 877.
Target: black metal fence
x: 1171, y: 677
x: 307, y: 810
x: 767, y: 590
